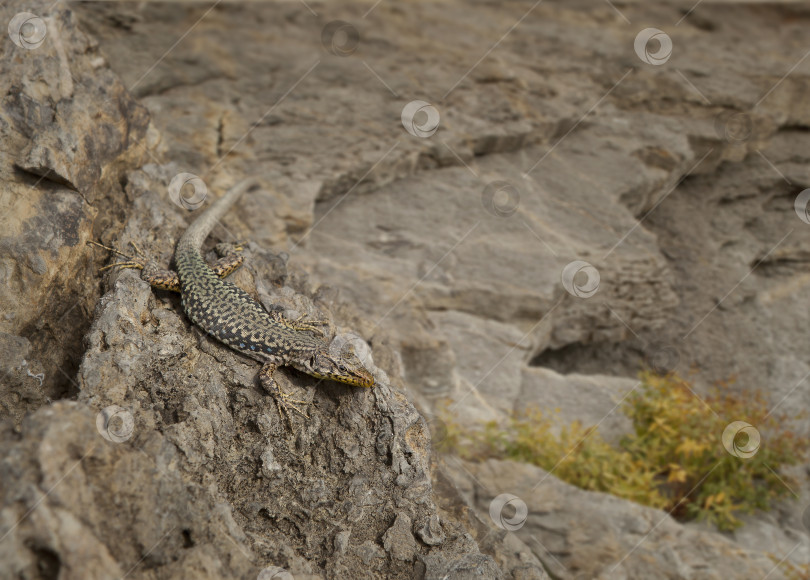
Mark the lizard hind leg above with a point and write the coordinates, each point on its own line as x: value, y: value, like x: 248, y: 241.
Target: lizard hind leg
x: 227, y: 264
x: 161, y: 279
x: 230, y: 258
x: 229, y: 248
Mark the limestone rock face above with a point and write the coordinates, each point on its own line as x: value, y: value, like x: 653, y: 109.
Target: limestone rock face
x: 171, y: 406
x: 68, y: 131
x: 509, y: 204
x: 593, y: 535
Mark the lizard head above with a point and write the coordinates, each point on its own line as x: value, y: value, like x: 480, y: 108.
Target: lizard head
x: 343, y: 366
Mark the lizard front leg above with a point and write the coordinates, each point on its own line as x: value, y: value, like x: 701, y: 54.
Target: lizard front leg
x: 165, y: 279
x: 282, y: 399
x: 299, y: 323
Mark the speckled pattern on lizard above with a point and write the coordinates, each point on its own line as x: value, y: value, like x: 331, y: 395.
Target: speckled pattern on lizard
x: 231, y: 315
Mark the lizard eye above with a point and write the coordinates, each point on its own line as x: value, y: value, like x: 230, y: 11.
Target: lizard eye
x: 341, y: 367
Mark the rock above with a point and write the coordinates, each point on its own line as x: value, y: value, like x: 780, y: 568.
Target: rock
x: 69, y: 116
x: 489, y: 356
x: 468, y: 258
x: 508, y: 552
x: 581, y: 534
x: 359, y: 463
x: 69, y: 130
x: 22, y: 382
x: 78, y: 505
x: 398, y: 539
x: 470, y: 567
x: 495, y: 381
x: 589, y: 399
x: 782, y: 530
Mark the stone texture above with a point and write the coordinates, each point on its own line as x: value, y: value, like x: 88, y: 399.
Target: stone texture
x: 191, y: 410
x: 676, y: 182
x: 76, y: 505
x: 581, y: 534
x: 590, y: 399
x: 68, y: 131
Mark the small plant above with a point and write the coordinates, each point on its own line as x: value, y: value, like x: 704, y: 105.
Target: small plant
x: 675, y: 460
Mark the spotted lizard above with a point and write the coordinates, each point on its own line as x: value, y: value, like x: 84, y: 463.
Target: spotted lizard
x: 232, y: 316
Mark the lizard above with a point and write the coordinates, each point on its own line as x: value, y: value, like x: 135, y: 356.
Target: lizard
x: 233, y: 317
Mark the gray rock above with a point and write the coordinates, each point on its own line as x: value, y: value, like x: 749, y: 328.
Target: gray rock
x: 76, y: 504
x: 449, y: 253
x: 589, y: 399
x: 398, y: 539
x: 581, y: 534
x: 358, y: 463
x: 69, y: 130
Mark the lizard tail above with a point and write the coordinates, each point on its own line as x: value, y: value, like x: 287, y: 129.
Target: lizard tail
x: 194, y: 236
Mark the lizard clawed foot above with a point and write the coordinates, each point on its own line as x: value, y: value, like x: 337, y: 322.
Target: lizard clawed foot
x: 286, y: 402
x: 287, y: 399
x: 229, y: 248
x: 136, y: 262
x: 285, y: 407
x: 283, y: 402
x: 311, y: 325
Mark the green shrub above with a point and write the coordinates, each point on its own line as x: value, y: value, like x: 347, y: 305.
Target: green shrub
x: 675, y: 459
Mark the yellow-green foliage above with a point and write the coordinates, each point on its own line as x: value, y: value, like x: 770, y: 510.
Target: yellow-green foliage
x: 675, y: 460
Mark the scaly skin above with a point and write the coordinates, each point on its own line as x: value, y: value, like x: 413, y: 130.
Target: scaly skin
x: 229, y: 314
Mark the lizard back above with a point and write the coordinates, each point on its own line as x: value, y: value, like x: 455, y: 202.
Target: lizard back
x: 223, y: 309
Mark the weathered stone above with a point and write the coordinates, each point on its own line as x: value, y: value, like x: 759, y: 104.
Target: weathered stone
x: 73, y: 506
x: 68, y: 131
x: 589, y: 399
x: 581, y: 534
x: 449, y: 253
x: 398, y: 540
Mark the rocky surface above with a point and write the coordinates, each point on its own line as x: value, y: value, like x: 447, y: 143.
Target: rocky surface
x: 232, y: 489
x: 621, y: 539
x: 576, y: 213
x: 68, y: 129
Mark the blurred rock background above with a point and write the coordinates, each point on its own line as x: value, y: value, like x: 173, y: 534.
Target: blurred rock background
x: 543, y: 137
